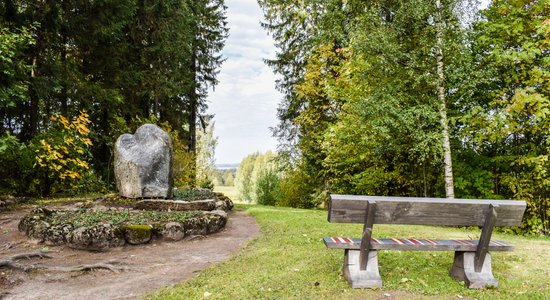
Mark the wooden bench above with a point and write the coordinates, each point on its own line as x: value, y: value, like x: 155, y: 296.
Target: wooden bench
x: 472, y: 261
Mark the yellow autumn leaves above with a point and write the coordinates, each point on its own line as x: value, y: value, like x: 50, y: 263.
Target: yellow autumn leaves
x: 63, y: 150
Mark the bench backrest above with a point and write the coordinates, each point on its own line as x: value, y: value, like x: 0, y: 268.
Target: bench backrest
x: 424, y: 211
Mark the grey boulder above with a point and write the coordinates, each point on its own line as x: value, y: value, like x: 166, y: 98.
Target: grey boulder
x: 99, y: 237
x: 143, y: 163
x: 173, y: 231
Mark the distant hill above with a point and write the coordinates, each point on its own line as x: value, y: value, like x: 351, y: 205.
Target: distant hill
x: 226, y: 166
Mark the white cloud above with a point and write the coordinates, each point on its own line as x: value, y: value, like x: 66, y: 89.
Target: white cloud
x: 245, y: 101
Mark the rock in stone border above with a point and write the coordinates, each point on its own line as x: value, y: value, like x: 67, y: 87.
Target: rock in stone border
x: 103, y: 236
x: 223, y: 202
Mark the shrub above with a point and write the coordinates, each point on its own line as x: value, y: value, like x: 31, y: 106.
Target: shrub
x: 267, y: 187
x: 243, y: 179
x: 228, y: 178
x: 295, y: 191
x: 258, y: 171
x: 62, y: 152
x: 207, y: 184
x: 17, y: 175
x: 89, y: 183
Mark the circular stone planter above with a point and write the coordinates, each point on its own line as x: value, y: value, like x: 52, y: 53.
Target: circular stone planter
x: 100, y: 230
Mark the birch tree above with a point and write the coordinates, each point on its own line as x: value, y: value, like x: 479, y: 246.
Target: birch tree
x: 440, y: 86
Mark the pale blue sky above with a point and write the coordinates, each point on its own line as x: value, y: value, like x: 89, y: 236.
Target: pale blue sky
x: 245, y: 101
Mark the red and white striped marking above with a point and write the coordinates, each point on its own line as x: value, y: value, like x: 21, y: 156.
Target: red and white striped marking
x: 499, y: 243
x: 431, y: 242
x: 340, y: 240
x: 398, y: 241
x: 411, y: 241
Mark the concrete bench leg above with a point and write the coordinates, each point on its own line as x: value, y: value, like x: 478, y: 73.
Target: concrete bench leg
x: 463, y: 270
x: 370, y: 278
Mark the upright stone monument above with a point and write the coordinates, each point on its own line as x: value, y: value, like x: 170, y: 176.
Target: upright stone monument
x: 143, y: 163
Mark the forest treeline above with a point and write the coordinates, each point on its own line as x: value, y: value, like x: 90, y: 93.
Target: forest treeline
x: 74, y: 75
x: 372, y: 90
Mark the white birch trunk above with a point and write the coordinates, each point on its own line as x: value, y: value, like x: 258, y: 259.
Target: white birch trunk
x: 449, y: 185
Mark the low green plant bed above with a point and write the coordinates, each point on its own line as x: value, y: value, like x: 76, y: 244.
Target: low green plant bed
x: 289, y: 261
x: 193, y: 194
x: 83, y: 218
x: 114, y: 200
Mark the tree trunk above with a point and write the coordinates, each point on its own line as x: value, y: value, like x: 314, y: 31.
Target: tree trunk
x: 449, y: 186
x: 65, y: 81
x: 47, y: 185
x: 192, y: 118
x: 32, y: 123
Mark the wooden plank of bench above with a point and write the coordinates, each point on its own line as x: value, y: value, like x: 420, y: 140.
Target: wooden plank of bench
x: 367, y: 235
x: 415, y: 244
x: 485, y: 238
x: 424, y: 211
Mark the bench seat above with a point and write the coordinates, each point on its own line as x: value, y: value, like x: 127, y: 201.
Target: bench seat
x: 414, y: 244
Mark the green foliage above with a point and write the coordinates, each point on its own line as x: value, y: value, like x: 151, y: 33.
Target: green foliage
x: 243, y: 179
x: 507, y: 125
x: 228, y: 178
x: 260, y: 179
x: 362, y: 99
x: 360, y: 112
x: 474, y: 177
x: 13, y: 67
x: 119, y: 60
x: 209, y: 29
x: 183, y: 169
x: 54, y: 161
x: 193, y: 194
x: 17, y: 174
x: 88, y: 183
x: 184, y: 162
x: 205, y: 160
x: 207, y: 184
x: 257, y: 178
x: 62, y: 150
x: 267, y: 187
x: 295, y: 190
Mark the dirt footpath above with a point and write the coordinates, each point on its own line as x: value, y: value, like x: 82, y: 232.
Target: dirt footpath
x: 144, y: 268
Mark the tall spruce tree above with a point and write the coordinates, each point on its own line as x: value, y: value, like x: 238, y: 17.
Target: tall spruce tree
x: 209, y: 31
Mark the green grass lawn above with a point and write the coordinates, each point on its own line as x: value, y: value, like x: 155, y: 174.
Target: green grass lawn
x: 289, y: 261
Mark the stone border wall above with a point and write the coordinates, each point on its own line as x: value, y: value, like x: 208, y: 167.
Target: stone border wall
x: 102, y: 236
